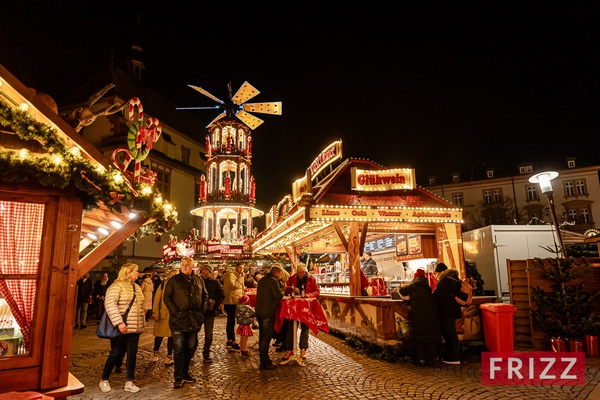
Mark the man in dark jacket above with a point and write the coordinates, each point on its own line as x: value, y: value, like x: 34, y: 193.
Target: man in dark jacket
x: 85, y: 287
x: 424, y: 319
x: 186, y: 299
x: 270, y: 290
x: 216, y: 294
x: 447, y: 290
x: 99, y: 293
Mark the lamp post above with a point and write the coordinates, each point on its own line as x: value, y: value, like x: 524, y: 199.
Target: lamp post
x: 544, y: 178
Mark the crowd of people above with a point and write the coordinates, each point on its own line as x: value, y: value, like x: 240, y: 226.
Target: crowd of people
x: 185, y: 302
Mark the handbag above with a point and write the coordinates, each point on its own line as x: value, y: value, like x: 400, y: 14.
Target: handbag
x: 106, y: 330
x: 210, y: 305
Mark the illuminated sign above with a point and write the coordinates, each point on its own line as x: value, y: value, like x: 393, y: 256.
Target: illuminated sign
x: 383, y: 179
x: 224, y: 249
x: 299, y: 188
x: 388, y: 214
x: 330, y: 154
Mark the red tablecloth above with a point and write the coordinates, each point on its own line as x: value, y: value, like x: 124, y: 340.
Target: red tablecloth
x: 251, y: 293
x: 304, y: 309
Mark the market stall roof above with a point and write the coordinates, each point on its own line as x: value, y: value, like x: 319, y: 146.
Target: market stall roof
x: 324, y: 213
x: 118, y: 227
x: 226, y: 210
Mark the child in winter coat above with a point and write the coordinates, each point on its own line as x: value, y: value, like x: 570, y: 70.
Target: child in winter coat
x: 244, y: 315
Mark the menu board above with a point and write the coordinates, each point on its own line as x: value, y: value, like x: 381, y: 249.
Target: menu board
x: 401, y: 245
x: 414, y: 244
x: 380, y: 244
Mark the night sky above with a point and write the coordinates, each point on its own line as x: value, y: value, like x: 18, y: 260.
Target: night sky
x: 439, y: 87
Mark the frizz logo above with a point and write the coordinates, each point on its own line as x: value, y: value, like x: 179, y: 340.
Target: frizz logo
x: 537, y: 368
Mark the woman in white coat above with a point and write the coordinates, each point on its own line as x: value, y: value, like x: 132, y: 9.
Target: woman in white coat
x: 119, y: 296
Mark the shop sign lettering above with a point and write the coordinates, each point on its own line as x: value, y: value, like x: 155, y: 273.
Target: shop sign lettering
x: 533, y: 368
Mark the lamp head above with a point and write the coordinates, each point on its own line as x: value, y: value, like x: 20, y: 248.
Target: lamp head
x: 544, y: 178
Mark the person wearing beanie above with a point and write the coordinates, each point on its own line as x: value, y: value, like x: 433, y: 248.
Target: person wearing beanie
x: 244, y: 314
x: 447, y: 290
x: 215, y: 301
x: 441, y: 267
x: 424, y: 318
x: 302, y: 284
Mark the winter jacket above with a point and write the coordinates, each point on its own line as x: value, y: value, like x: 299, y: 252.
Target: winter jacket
x: 215, y: 292
x: 423, y: 311
x: 233, y: 286
x: 84, y: 290
x: 270, y: 290
x: 118, y: 297
x: 161, y: 326
x: 186, y: 298
x: 311, y: 290
x: 100, y: 289
x: 447, y: 288
x: 147, y: 288
x: 244, y: 314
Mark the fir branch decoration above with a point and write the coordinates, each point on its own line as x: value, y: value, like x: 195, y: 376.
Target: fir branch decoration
x: 61, y: 167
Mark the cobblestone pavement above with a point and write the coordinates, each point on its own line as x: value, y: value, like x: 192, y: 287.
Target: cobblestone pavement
x: 333, y: 370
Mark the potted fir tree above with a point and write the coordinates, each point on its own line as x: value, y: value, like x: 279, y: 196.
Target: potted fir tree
x: 563, y: 310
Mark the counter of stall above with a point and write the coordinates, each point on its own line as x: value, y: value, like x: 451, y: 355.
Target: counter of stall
x: 385, y: 321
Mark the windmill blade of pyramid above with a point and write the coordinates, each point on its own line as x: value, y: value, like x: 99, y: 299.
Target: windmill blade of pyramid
x: 222, y: 115
x: 204, y: 92
x: 248, y: 119
x: 199, y: 108
x: 264, y: 108
x: 244, y: 93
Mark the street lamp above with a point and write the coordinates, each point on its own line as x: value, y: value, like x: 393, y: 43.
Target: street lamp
x: 544, y: 178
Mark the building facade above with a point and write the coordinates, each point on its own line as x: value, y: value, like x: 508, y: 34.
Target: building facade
x: 513, y: 199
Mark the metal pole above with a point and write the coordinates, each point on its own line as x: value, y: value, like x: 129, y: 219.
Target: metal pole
x: 555, y: 222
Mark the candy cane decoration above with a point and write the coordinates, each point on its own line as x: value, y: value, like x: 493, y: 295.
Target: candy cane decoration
x: 123, y: 166
x: 136, y: 102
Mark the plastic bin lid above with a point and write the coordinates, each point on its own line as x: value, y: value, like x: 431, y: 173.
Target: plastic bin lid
x: 498, y: 307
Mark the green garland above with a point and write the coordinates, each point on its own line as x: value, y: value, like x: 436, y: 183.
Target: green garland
x: 62, y: 167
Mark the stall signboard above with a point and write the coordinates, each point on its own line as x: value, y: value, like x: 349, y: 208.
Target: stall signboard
x: 221, y: 248
x: 401, y: 245
x: 331, y: 153
x: 383, y: 179
x: 414, y: 244
x: 379, y: 244
x: 385, y: 214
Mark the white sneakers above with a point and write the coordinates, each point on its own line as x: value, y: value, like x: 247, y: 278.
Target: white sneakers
x: 104, y: 386
x: 130, y: 387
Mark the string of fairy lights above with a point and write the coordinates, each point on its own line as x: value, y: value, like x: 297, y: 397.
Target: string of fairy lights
x: 59, y: 165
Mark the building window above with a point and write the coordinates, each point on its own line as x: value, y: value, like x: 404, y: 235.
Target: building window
x: 490, y: 173
x: 166, y: 137
x: 532, y: 193
x: 526, y: 169
x: 580, y: 187
x: 487, y: 196
x: 569, y: 189
x: 458, y: 199
x: 455, y: 178
x: 572, y: 215
x: 185, y: 155
x: 497, y: 195
x: 432, y: 180
x: 571, y: 163
x: 163, y: 179
x: 584, y: 216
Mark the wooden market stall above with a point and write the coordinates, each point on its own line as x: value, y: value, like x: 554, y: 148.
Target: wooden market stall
x: 345, y: 208
x: 55, y: 189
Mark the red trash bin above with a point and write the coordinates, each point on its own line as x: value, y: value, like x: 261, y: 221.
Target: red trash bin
x: 498, y: 326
